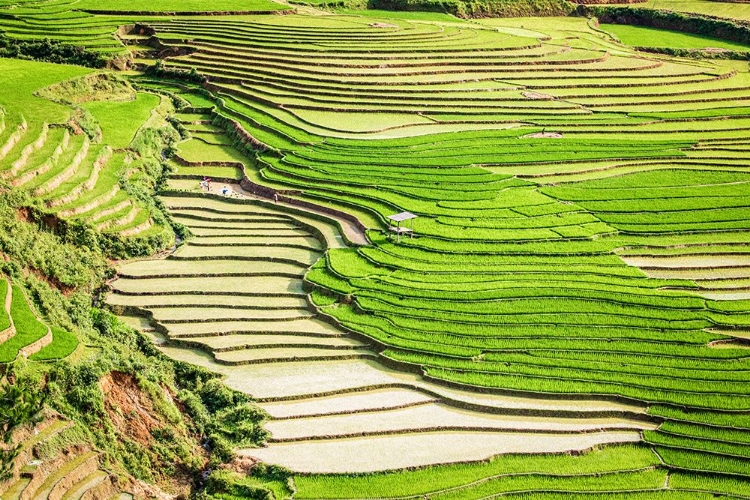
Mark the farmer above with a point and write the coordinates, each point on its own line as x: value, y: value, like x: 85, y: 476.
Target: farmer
x: 225, y: 190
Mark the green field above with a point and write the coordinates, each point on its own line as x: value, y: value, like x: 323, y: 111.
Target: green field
x: 733, y: 10
x: 25, y: 78
x: 181, y: 6
x: 639, y: 36
x: 120, y: 121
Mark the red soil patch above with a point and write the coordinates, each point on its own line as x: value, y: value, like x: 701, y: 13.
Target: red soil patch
x: 545, y: 135
x: 129, y: 408
x: 538, y: 96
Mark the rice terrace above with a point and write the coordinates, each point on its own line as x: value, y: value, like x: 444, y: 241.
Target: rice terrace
x: 395, y: 249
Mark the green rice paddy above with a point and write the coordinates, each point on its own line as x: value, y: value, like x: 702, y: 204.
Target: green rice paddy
x: 639, y: 36
x: 181, y: 6
x: 513, y: 283
x: 29, y: 333
x: 76, y: 175
x: 581, y: 238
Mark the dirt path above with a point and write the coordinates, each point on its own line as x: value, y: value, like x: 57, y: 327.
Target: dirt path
x: 353, y: 233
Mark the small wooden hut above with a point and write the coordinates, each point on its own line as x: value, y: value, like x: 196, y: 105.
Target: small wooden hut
x: 401, y: 224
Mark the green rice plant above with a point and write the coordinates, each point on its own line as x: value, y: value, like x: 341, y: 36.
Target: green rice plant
x: 544, y: 385
x: 385, y: 259
x: 580, y: 340
x: 710, y: 483
x: 28, y: 328
x: 703, y: 462
x: 669, y: 380
x: 616, y: 495
x: 175, y: 6
x: 444, y: 477
x: 650, y: 360
x: 706, y: 432
x: 712, y: 418
x: 539, y: 313
x: 63, y: 344
x: 548, y: 303
x: 619, y: 481
x: 688, y: 443
x: 511, y: 290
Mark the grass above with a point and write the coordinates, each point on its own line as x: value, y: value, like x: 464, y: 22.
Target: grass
x: 4, y: 317
x: 25, y: 78
x: 120, y: 121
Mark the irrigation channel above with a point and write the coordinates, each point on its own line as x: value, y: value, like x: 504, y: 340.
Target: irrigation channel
x: 233, y: 299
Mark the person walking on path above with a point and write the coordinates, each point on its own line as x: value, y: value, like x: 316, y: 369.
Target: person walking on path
x: 275, y: 197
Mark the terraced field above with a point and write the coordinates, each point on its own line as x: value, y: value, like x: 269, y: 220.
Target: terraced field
x: 23, y: 334
x: 75, y: 177
x: 74, y: 22
x: 248, y: 311
x: 579, y: 250
x: 70, y: 475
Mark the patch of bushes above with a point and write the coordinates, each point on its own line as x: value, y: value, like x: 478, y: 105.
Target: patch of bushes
x: 205, y: 411
x: 263, y: 482
x: 20, y: 400
x: 48, y: 50
x: 87, y: 88
x: 479, y: 8
x: 158, y: 70
x: 226, y: 418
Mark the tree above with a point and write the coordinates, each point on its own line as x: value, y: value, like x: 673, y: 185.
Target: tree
x: 20, y: 399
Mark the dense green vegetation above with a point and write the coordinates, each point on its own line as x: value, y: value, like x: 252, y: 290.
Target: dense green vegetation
x: 53, y: 51
x: 61, y: 155
x: 727, y: 28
